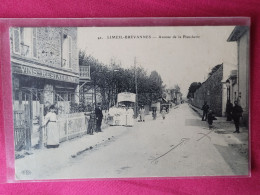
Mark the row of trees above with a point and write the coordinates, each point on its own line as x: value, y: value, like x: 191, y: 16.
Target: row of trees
x: 109, y: 80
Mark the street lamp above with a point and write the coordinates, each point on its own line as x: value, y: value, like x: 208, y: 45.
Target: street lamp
x: 228, y: 89
x: 116, y: 85
x: 228, y: 105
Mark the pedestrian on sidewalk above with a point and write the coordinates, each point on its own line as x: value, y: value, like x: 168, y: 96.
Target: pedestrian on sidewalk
x: 91, y: 123
x: 205, y: 109
x: 142, y: 113
x: 154, y: 113
x: 163, y: 113
x: 53, y: 135
x: 99, y: 117
x: 236, y: 114
x: 229, y: 109
x: 211, y: 117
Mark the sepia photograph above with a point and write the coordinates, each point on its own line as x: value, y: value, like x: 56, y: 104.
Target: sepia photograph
x: 130, y: 102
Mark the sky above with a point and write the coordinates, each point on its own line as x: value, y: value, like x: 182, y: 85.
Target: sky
x: 177, y: 58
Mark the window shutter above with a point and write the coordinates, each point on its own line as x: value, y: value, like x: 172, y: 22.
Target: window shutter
x: 34, y: 42
x: 70, y: 52
x: 16, y: 40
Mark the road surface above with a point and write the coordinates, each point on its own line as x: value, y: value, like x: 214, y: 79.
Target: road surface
x: 180, y: 145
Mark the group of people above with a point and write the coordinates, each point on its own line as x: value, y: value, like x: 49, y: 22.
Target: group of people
x: 52, y: 130
x: 121, y: 116
x: 233, y: 112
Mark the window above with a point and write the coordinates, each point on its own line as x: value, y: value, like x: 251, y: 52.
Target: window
x: 24, y: 41
x: 70, y: 52
x: 16, y: 40
x: 34, y: 42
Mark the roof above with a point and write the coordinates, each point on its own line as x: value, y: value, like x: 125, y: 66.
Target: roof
x: 237, y: 33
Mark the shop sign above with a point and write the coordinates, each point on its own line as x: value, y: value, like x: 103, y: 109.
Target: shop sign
x: 41, y: 73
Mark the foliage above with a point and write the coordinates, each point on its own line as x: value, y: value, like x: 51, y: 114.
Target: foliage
x: 109, y: 80
x: 75, y: 107
x: 193, y: 87
x: 214, y: 69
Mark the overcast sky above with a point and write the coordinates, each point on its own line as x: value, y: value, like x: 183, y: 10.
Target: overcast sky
x: 178, y: 60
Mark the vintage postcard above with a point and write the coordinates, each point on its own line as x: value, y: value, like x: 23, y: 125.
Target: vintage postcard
x: 130, y: 102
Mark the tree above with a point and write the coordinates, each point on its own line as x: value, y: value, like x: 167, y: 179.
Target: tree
x: 109, y: 80
x: 193, y: 87
x: 214, y: 69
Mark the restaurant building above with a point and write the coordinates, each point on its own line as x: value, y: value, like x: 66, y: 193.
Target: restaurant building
x: 45, y: 71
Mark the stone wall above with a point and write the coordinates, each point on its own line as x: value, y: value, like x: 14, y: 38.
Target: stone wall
x: 211, y: 91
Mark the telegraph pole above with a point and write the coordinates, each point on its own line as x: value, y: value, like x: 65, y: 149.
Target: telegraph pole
x: 136, y: 94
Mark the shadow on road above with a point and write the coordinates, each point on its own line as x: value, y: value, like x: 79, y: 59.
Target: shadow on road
x: 237, y: 161
x: 195, y: 122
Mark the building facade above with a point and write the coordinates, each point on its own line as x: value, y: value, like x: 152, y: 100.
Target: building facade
x: 229, y: 85
x: 45, y: 71
x: 45, y: 60
x: 240, y: 34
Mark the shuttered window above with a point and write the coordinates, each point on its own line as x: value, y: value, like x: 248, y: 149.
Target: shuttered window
x: 70, y: 52
x: 16, y: 40
x: 34, y: 42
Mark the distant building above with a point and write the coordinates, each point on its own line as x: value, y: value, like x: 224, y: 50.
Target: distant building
x: 173, y: 95
x: 240, y: 34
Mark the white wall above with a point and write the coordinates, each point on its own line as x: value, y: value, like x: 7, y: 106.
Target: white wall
x: 243, y: 72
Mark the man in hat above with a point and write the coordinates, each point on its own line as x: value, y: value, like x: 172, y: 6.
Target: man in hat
x: 99, y: 117
x: 236, y: 114
x: 205, y: 109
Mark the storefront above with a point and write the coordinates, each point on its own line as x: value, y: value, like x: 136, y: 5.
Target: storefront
x: 34, y: 90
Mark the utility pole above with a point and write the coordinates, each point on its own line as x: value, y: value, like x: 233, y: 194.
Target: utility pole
x: 136, y: 93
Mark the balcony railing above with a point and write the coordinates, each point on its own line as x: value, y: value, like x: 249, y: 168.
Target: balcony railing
x: 84, y: 72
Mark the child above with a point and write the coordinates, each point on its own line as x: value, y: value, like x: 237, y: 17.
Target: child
x: 163, y: 112
x: 211, y: 117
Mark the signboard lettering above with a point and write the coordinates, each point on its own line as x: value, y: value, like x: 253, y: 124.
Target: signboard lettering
x: 36, y: 72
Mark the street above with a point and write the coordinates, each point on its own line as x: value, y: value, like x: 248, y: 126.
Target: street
x: 180, y: 145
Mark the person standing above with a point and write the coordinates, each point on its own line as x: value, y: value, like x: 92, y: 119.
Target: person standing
x: 229, y: 109
x: 154, y: 113
x: 236, y: 114
x: 163, y: 113
x: 129, y: 117
x: 122, y: 115
x: 91, y: 123
x: 210, y: 119
x: 142, y: 114
x: 53, y: 135
x: 205, y: 109
x: 99, y: 117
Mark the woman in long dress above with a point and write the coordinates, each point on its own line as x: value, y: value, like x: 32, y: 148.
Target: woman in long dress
x: 53, y: 135
x: 142, y: 114
x: 130, y: 117
x: 122, y: 115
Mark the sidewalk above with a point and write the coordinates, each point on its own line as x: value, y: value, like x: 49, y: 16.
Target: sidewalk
x: 38, y: 162
x: 226, y: 128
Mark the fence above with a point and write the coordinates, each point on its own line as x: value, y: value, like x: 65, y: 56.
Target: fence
x: 70, y: 126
